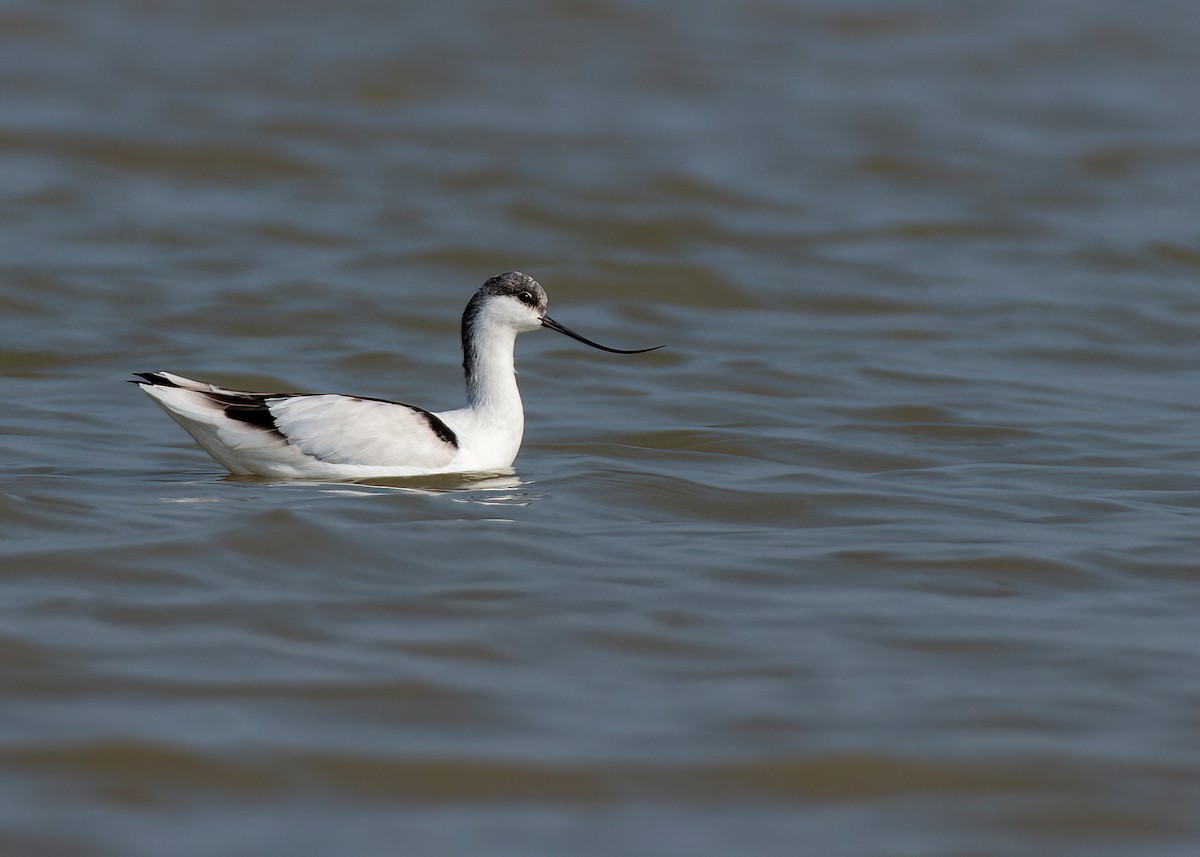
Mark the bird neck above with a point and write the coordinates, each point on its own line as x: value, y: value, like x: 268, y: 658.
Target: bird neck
x: 490, y: 370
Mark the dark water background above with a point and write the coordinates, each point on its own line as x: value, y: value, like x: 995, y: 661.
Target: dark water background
x: 893, y: 551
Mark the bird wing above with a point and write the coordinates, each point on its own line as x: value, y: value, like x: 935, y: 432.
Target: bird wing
x: 254, y: 432
x: 353, y: 430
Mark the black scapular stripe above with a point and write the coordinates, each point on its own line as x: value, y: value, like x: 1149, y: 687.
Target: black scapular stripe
x: 443, y: 431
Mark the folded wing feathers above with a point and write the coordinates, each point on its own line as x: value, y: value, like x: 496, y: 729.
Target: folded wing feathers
x: 348, y: 430
x: 331, y: 428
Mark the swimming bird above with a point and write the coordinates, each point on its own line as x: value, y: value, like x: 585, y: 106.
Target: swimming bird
x: 288, y: 435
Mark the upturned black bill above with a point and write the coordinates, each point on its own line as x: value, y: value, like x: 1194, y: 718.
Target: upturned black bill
x: 547, y: 321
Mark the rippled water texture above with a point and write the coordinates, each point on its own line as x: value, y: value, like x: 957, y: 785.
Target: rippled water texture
x: 892, y: 551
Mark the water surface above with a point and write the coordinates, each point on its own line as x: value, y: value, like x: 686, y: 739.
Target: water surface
x: 891, y: 551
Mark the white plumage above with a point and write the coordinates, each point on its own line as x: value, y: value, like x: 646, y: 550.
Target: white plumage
x: 349, y: 437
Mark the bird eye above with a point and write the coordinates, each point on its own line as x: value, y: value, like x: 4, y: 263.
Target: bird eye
x: 525, y: 298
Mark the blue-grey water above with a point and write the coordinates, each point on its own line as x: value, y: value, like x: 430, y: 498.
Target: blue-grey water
x: 892, y: 551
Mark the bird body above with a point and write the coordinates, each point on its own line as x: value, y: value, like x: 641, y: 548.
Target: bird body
x: 325, y: 436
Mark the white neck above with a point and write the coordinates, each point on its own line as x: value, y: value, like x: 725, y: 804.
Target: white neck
x: 492, y: 392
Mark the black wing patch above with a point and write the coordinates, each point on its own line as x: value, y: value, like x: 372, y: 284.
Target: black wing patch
x: 250, y: 409
x: 443, y: 431
x: 257, y: 414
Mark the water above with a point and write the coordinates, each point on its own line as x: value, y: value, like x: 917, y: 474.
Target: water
x: 892, y: 551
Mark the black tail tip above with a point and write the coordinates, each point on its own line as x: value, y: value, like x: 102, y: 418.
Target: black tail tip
x: 153, y: 379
